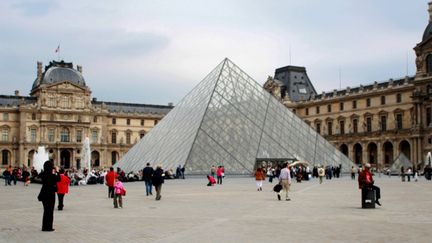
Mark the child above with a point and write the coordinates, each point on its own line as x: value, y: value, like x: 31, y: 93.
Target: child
x: 118, y: 193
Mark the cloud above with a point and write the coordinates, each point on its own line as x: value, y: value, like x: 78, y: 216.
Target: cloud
x: 156, y: 51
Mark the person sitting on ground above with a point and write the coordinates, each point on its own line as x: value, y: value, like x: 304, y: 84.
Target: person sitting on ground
x: 365, y: 180
x: 211, y: 180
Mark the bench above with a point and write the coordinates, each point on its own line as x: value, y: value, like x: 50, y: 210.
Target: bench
x: 368, y: 198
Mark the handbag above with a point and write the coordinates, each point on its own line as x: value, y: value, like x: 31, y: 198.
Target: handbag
x: 277, y: 187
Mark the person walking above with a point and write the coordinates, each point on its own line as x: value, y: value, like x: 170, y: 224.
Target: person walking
x: 47, y: 193
x: 158, y: 180
x: 365, y: 180
x: 147, y: 177
x: 353, y: 171
x: 62, y: 188
x: 321, y: 173
x: 119, y: 192
x: 109, y: 181
x: 285, y: 180
x: 409, y: 173
x: 259, y: 178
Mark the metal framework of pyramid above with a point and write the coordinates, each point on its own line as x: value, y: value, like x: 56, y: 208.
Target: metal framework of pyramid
x: 229, y: 119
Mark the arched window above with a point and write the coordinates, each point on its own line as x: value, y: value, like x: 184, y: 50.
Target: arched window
x: 114, y: 157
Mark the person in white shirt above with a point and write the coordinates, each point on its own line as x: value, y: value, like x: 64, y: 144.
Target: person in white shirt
x: 285, y: 180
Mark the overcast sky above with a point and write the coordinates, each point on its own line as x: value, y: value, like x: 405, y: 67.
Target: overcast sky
x: 154, y: 52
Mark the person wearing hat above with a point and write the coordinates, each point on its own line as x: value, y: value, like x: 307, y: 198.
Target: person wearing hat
x: 365, y: 180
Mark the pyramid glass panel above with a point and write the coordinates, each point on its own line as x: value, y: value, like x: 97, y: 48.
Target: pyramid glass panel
x: 229, y: 119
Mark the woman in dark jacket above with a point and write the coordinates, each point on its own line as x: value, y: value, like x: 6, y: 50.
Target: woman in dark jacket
x: 49, y: 179
x: 158, y: 180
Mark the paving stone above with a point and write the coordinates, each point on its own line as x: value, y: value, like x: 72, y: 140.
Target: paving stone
x: 189, y: 211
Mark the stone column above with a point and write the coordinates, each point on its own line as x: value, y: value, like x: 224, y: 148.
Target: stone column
x: 379, y: 156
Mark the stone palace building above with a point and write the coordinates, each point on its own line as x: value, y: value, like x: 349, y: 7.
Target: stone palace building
x: 60, y: 113
x: 372, y: 123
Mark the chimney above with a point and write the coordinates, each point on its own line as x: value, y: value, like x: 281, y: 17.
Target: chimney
x: 79, y: 68
x: 16, y: 92
x: 430, y: 11
x: 39, y: 70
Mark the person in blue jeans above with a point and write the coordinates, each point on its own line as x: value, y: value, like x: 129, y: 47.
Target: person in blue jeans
x: 147, y: 178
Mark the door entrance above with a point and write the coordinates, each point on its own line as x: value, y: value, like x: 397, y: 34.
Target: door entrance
x: 65, y: 159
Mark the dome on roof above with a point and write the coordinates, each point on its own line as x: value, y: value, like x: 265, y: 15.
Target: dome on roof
x: 57, y: 72
x: 428, y: 32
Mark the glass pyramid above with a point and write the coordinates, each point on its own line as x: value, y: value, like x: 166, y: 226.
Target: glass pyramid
x: 229, y: 119
x: 400, y: 161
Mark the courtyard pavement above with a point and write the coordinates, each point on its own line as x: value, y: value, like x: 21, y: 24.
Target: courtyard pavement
x: 189, y: 211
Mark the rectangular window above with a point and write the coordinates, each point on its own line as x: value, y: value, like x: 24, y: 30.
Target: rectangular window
x: 79, y: 103
x: 33, y: 135
x: 51, y: 101
x: 142, y: 122
x: 5, y: 135
x: 428, y: 116
x: 328, y: 108
x: 399, y: 121
x: 128, y: 121
x: 383, y: 123
x: 341, y: 106
x: 368, y: 102
x: 317, y: 109
x: 5, y: 116
x: 5, y: 157
x: 329, y: 128
x: 78, y: 136
x: 342, y: 127
x: 128, y: 138
x: 94, y: 136
x: 318, y: 128
x: 156, y: 121
x: 354, y: 104
x: 369, y: 124
x: 66, y: 102
x: 355, y: 126
x: 51, y: 135
x: 113, y: 137
x: 114, y: 121
x: 398, y: 98
x: 307, y: 111
x: 95, y: 119
x: 64, y: 136
x: 383, y: 100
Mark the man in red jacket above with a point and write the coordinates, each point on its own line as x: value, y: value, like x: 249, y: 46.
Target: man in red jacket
x: 109, y: 181
x: 62, y: 188
x: 365, y: 180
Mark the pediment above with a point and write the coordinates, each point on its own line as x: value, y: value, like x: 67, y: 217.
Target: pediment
x: 66, y: 85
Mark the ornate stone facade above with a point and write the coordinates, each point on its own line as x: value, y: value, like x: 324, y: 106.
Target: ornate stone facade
x: 375, y: 123
x: 59, y: 114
